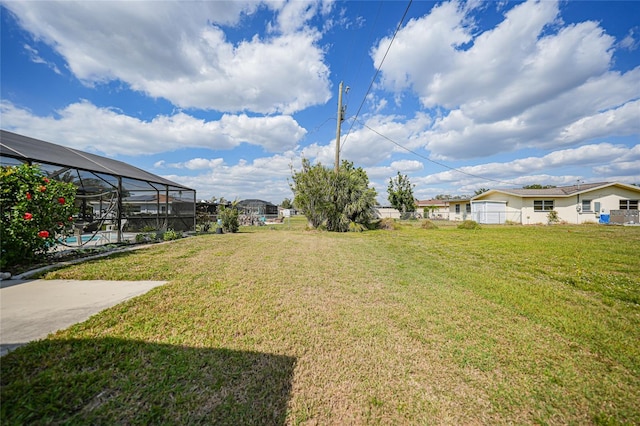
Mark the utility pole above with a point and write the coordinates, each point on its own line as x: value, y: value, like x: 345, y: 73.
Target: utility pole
x: 337, y: 160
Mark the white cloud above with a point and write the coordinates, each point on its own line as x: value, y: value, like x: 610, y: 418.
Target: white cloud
x: 265, y: 178
x: 193, y: 164
x: 167, y: 50
x: 630, y: 41
x: 368, y: 148
x: 407, y: 166
x: 422, y: 49
x: 529, y: 82
x: 624, y: 120
x: 84, y: 126
x: 621, y: 168
x: 527, y: 170
x: 294, y: 15
x: 35, y: 57
x: 379, y: 173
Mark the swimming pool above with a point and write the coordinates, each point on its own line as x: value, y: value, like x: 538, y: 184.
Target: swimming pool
x: 83, y: 238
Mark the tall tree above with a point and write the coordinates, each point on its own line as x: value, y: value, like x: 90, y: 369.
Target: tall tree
x: 400, y: 193
x: 286, y: 204
x: 538, y: 186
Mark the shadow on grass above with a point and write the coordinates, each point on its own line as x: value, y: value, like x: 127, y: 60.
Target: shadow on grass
x: 118, y: 381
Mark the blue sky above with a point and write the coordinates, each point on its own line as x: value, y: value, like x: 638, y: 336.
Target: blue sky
x: 228, y: 97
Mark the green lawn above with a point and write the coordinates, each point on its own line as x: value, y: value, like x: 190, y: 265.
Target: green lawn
x: 278, y: 325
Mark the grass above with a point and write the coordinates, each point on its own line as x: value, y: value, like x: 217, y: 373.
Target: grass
x: 278, y: 325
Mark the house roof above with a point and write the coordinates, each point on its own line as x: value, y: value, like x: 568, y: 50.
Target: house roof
x: 558, y: 192
x: 255, y: 202
x: 432, y: 202
x: 29, y: 149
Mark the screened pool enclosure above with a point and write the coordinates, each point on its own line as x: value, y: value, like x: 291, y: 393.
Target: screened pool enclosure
x: 115, y: 201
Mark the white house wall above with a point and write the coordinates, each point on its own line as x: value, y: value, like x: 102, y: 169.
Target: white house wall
x: 521, y: 209
x: 388, y: 212
x: 609, y: 199
x: 463, y: 211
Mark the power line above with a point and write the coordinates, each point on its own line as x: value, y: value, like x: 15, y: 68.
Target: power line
x: 376, y: 74
x: 430, y: 160
x: 318, y: 127
x: 369, y: 41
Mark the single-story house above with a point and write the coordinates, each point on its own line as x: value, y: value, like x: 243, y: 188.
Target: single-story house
x: 434, y: 208
x: 603, y: 202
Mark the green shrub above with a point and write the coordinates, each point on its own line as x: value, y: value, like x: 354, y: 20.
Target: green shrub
x: 229, y: 218
x: 552, y: 217
x: 356, y: 227
x: 35, y: 211
x: 469, y: 224
x: 170, y: 234
x: 427, y: 224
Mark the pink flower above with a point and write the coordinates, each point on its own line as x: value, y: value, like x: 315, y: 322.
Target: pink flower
x: 61, y: 200
x: 28, y: 195
x: 43, y: 188
x: 43, y: 234
x: 46, y: 180
x: 70, y: 218
x: 28, y: 216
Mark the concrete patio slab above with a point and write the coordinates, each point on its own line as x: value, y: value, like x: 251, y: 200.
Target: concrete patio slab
x: 32, y: 309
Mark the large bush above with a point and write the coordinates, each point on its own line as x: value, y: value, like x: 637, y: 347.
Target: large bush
x: 334, y: 201
x: 34, y: 210
x: 229, y: 218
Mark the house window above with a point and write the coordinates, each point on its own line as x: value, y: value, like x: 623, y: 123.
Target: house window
x: 542, y: 205
x: 628, y: 204
x: 586, y: 205
x: 468, y: 208
x: 457, y: 208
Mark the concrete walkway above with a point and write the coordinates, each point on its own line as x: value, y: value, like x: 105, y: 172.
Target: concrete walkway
x: 32, y: 309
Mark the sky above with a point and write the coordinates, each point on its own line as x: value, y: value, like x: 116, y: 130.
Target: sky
x: 227, y: 97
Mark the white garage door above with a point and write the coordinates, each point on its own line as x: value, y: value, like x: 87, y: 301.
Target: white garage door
x: 489, y: 211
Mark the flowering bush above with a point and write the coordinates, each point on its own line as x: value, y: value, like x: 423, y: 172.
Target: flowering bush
x: 34, y: 211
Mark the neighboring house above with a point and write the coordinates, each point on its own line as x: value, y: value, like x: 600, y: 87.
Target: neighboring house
x: 459, y: 209
x: 604, y: 202
x: 258, y: 207
x: 433, y: 209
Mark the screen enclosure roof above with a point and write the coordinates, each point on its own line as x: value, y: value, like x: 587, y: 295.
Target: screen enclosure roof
x: 33, y: 150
